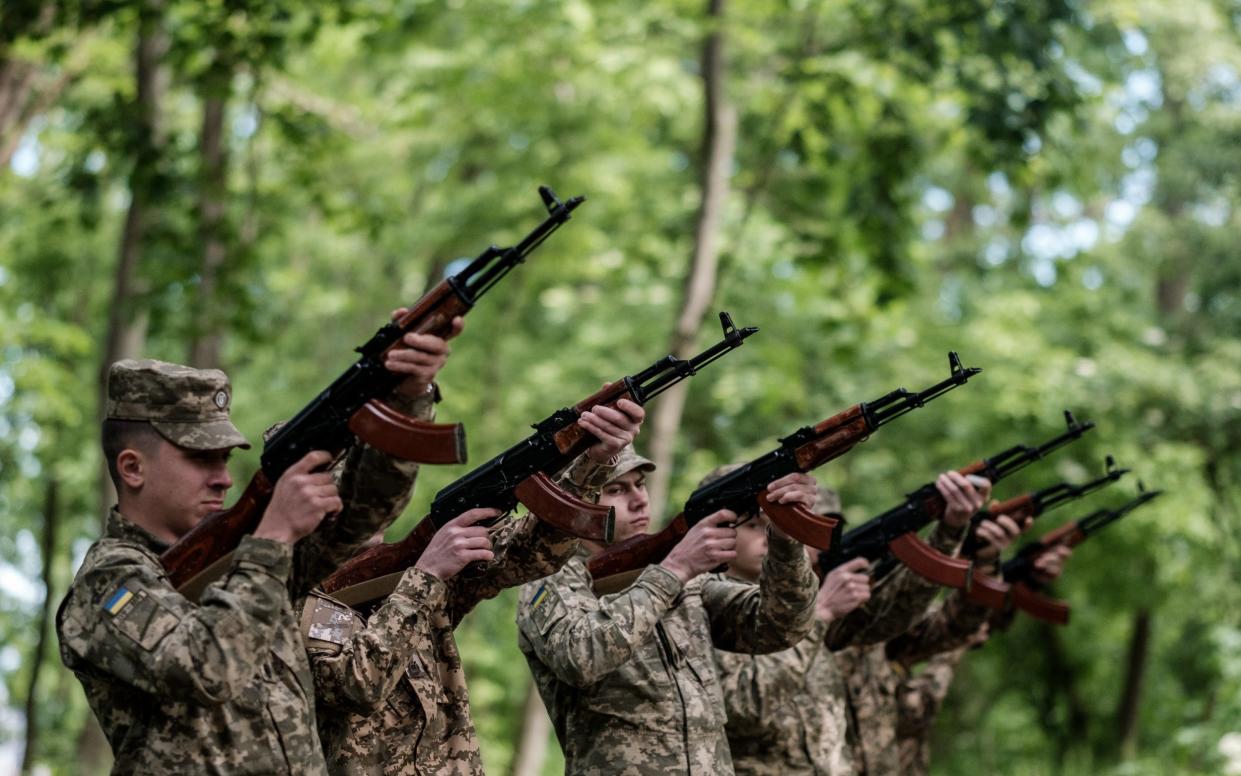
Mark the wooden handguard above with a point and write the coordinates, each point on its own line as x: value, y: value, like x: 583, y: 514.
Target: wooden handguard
x: 1039, y: 606
x: 374, y: 573
x: 845, y: 429
x: 557, y: 507
x: 800, y: 523
x: 408, y: 438
x: 637, y: 552
x: 929, y: 563
x: 216, y: 535
x: 569, y: 438
x: 987, y: 591
x: 1017, y: 507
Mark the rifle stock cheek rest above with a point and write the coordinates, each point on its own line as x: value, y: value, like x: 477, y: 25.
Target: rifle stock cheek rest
x: 217, y: 534
x: 1039, y: 606
x: 929, y: 563
x: 410, y: 439
x: 557, y: 507
x: 800, y: 523
x: 987, y: 591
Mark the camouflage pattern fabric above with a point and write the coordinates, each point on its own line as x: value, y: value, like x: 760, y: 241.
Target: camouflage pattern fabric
x: 870, y: 679
x: 222, y: 686
x: 187, y: 406
x: 629, y: 679
x: 787, y: 712
x: 918, y: 701
x: 391, y: 691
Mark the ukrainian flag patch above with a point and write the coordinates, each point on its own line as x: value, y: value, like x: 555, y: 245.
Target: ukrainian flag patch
x: 539, y: 597
x: 118, y: 601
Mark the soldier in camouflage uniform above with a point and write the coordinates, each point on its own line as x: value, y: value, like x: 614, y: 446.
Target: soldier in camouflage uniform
x: 628, y: 678
x: 787, y: 712
x: 221, y: 686
x: 942, y: 641
x: 873, y: 675
x: 390, y: 688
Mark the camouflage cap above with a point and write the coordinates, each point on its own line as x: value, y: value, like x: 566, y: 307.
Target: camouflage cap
x: 187, y: 406
x: 627, y: 460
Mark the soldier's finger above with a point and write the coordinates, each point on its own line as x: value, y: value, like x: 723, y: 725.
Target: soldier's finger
x: 458, y: 326
x: 633, y: 411
x: 1009, y: 525
x: 478, y: 555
x: 426, y: 343
x: 722, y: 518
x: 398, y: 312
x: 309, y: 462
x: 857, y: 565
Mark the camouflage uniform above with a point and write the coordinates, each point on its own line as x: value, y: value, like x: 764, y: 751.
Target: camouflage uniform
x: 873, y: 677
x: 628, y: 678
x: 918, y: 701
x: 391, y: 692
x: 222, y: 686
x: 788, y: 711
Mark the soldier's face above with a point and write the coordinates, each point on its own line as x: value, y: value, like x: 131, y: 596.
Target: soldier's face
x: 182, y: 486
x: 627, y: 495
x: 751, y: 548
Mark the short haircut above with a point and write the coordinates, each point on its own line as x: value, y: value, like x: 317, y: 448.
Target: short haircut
x: 120, y: 435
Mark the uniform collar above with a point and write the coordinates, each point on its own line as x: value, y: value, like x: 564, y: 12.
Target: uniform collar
x: 119, y: 528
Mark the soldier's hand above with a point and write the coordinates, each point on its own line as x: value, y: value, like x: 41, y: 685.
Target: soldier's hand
x: 795, y: 488
x: 420, y: 357
x: 844, y: 589
x: 614, y: 427
x: 1049, y: 565
x: 997, y: 534
x: 303, y: 496
x: 711, y: 542
x: 459, y: 542
x: 963, y: 496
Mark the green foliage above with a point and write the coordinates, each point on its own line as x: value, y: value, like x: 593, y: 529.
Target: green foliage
x: 1046, y: 187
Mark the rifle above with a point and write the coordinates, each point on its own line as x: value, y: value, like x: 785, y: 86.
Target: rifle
x: 893, y: 535
x: 1019, y: 571
x: 743, y: 490
x: 352, y: 407
x: 522, y: 474
x: 989, y: 591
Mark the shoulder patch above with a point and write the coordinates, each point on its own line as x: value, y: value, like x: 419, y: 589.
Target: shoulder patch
x: 539, y: 597
x: 118, y: 600
x: 329, y: 621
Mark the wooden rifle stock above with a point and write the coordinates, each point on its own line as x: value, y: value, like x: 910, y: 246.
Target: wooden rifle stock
x: 636, y: 552
x: 847, y: 429
x: 215, y: 537
x: 375, y: 572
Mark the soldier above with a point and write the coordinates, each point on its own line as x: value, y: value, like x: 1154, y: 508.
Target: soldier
x: 391, y: 692
x: 787, y: 712
x: 920, y: 697
x: 221, y: 686
x: 873, y: 674
x: 628, y: 678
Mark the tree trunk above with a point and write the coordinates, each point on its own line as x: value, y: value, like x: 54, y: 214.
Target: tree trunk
x: 719, y: 141
x: 1062, y: 678
x: 51, y: 516
x: 1128, y: 712
x: 207, y: 335
x: 531, y: 748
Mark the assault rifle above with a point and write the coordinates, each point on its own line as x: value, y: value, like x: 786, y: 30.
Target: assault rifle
x: 1019, y: 571
x: 743, y: 490
x: 352, y: 407
x: 893, y: 535
x: 522, y: 474
x: 992, y: 592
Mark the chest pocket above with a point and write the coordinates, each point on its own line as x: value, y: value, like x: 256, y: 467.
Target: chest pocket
x: 145, y: 619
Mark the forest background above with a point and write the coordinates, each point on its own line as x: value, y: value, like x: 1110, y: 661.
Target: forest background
x: 1046, y: 186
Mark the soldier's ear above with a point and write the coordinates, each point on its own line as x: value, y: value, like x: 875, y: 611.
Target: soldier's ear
x: 131, y: 468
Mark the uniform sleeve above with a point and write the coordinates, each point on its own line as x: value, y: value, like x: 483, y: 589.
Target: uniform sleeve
x: 375, y: 488
x: 897, y: 601
x: 756, y: 686
x: 357, y: 670
x: 943, y: 629
x: 525, y: 549
x: 585, y: 477
x: 581, y: 638
x: 919, y: 698
x: 776, y: 613
x: 123, y: 619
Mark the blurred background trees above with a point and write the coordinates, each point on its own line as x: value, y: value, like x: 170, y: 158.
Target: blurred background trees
x: 1047, y: 187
